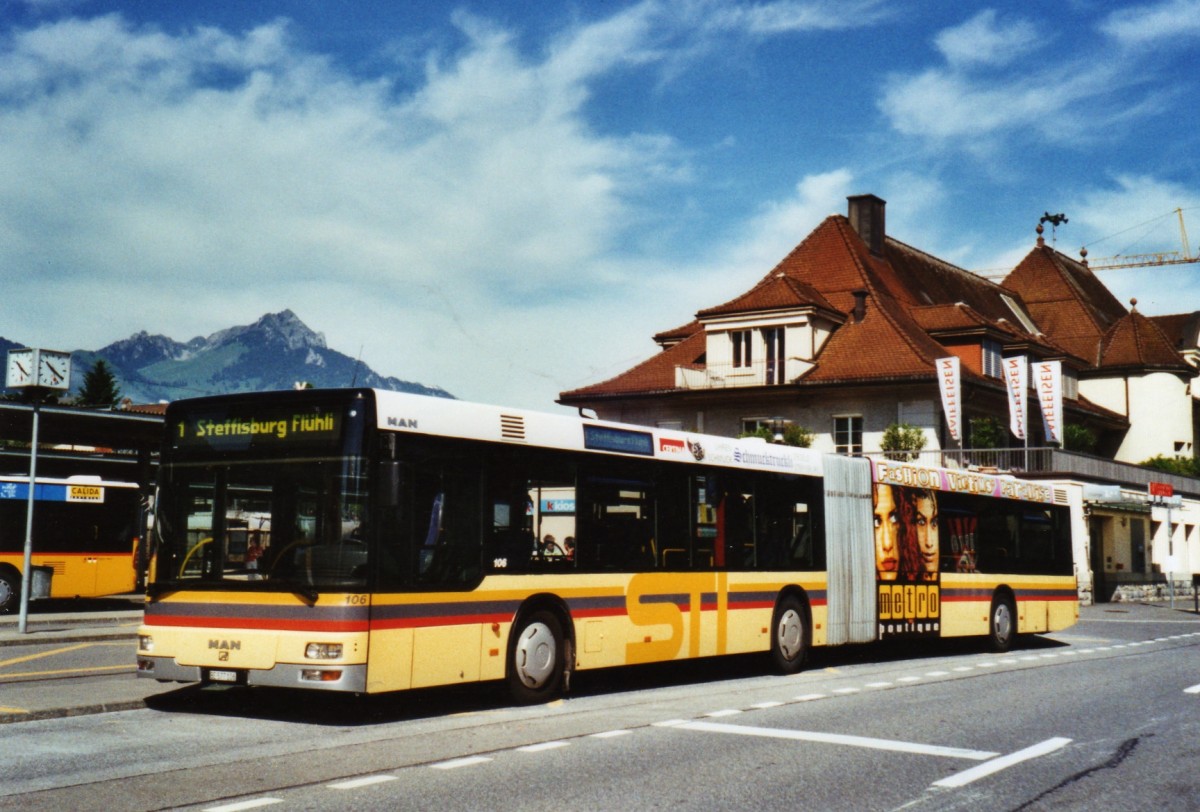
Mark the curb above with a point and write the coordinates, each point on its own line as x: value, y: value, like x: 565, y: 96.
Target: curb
x: 62, y: 713
x: 32, y: 638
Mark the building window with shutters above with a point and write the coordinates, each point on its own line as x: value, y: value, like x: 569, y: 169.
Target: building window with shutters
x: 993, y: 364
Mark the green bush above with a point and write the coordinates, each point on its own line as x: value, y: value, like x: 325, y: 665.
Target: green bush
x: 902, y: 441
x: 1183, y: 466
x: 793, y: 434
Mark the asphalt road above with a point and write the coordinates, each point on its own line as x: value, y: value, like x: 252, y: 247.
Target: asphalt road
x: 1106, y: 715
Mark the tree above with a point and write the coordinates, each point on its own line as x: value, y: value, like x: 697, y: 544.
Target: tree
x: 902, y: 441
x: 99, y: 387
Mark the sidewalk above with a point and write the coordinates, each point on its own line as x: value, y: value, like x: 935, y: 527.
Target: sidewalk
x: 64, y: 623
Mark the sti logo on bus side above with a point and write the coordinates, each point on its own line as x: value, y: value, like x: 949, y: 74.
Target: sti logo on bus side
x: 402, y: 422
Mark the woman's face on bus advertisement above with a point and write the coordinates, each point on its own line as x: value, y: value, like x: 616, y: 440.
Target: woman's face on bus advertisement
x: 887, y: 533
x: 927, y: 531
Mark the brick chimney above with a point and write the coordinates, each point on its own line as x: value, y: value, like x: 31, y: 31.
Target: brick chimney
x: 867, y: 218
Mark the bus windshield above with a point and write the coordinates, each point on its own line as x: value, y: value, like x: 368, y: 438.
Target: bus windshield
x: 276, y: 508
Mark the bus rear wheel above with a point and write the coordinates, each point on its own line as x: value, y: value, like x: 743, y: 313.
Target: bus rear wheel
x: 10, y: 591
x: 1002, y: 624
x: 536, y: 656
x: 789, y: 635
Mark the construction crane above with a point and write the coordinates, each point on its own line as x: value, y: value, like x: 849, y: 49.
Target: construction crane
x: 1145, y: 260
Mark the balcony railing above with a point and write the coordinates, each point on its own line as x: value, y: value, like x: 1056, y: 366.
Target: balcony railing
x: 726, y: 376
x: 1046, y: 462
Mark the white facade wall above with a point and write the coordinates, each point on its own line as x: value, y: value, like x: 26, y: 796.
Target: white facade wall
x: 727, y: 418
x: 1159, y: 410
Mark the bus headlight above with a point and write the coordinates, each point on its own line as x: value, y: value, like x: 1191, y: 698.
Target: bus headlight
x: 323, y: 651
x: 145, y: 642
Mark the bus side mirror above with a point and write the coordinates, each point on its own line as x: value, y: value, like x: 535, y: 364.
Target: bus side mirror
x: 389, y: 483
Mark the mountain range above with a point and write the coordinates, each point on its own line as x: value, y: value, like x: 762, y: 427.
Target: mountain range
x: 276, y: 352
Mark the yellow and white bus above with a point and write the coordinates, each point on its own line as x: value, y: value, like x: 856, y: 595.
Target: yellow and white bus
x: 85, y: 528
x: 373, y: 541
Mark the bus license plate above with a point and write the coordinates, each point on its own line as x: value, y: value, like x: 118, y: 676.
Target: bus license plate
x: 223, y: 676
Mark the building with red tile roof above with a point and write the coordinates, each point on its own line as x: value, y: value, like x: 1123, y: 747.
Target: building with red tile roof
x: 843, y: 334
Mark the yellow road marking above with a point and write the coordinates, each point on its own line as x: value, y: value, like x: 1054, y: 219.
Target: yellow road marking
x: 60, y: 672
x: 53, y: 652
x: 12, y: 710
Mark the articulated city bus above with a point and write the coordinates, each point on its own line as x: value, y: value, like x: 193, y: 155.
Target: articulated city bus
x: 85, y: 528
x: 372, y: 541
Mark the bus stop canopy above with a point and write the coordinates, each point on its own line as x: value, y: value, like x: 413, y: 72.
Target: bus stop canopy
x: 65, y: 425
x: 79, y: 441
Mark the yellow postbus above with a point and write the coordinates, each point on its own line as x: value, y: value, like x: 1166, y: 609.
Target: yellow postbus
x: 85, y: 529
x: 371, y: 541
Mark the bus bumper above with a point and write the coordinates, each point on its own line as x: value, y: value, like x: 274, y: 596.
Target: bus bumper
x: 325, y: 677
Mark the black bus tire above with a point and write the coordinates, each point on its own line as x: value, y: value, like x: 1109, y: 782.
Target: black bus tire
x: 10, y: 591
x: 535, y: 658
x: 789, y: 635
x: 1002, y: 623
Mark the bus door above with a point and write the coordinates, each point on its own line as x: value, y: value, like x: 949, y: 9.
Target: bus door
x: 850, y: 550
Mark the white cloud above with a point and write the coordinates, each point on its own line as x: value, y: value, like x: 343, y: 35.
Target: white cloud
x: 791, y: 16
x: 985, y: 40
x: 1164, y: 23
x: 186, y: 183
x: 939, y: 103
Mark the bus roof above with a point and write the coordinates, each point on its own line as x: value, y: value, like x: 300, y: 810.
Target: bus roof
x: 421, y: 414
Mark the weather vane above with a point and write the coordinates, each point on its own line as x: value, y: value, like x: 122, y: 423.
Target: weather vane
x: 1055, y: 220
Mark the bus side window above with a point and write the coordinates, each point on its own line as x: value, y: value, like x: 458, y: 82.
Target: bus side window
x: 444, y: 524
x: 616, y: 523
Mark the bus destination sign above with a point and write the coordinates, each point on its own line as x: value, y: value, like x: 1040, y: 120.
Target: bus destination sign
x: 283, y: 428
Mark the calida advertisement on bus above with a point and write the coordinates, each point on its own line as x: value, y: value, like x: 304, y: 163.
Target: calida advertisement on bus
x: 915, y: 539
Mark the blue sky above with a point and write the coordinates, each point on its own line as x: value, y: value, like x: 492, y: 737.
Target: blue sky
x: 507, y: 199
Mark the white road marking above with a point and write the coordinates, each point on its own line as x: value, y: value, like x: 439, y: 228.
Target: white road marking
x: 537, y: 748
x: 455, y: 763
x: 1195, y: 689
x: 355, y: 783
x: 240, y: 805
x: 837, y: 738
x: 1003, y: 762
x: 765, y: 705
x: 671, y: 723
x: 879, y: 685
x: 810, y: 697
x: 846, y: 690
x: 611, y: 734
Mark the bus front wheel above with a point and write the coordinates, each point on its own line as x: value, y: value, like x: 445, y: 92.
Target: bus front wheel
x: 1002, y: 624
x: 789, y: 635
x: 10, y: 591
x: 535, y: 663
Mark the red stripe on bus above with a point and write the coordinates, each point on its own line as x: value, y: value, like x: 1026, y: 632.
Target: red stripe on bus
x: 262, y: 624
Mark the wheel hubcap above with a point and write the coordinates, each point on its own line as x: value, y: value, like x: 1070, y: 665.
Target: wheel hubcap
x: 535, y: 655
x: 790, y: 634
x: 1002, y: 623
